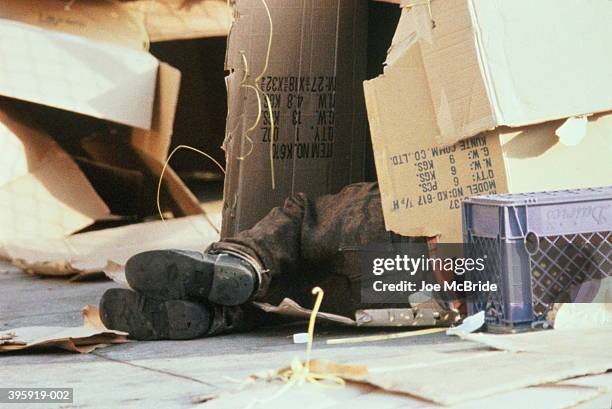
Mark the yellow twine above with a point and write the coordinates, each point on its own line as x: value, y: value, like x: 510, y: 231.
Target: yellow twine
x: 259, y: 92
x: 298, y: 373
x: 252, y: 128
x: 163, y: 171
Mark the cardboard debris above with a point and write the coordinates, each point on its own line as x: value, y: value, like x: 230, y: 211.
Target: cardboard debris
x: 470, y: 324
x: 591, y: 306
x: 90, y: 336
x: 438, y: 376
x: 548, y: 396
x: 313, y: 79
x: 180, y: 20
x: 41, y: 210
x: 587, y: 342
x: 580, y: 316
x: 423, y: 183
x: 70, y: 72
x: 309, y: 396
x: 427, y: 315
x: 107, y: 21
x: 103, y: 250
x: 498, y: 371
x: 357, y: 395
x: 593, y: 291
x: 501, y: 63
x: 35, y: 200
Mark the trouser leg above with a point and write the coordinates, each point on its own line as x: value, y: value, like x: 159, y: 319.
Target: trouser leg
x: 310, y: 242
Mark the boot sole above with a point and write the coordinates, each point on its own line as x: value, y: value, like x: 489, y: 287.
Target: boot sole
x: 183, y: 275
x: 148, y: 319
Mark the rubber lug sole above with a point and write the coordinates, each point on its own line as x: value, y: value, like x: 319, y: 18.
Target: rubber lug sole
x: 180, y: 274
x: 148, y: 319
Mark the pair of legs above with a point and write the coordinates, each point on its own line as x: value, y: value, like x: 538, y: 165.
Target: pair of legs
x: 305, y: 243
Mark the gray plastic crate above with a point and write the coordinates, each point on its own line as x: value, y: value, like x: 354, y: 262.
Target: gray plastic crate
x: 538, y: 245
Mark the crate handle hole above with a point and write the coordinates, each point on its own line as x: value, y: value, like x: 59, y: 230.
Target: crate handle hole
x: 532, y: 243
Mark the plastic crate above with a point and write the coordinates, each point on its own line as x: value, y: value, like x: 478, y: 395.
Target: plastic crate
x: 537, y: 245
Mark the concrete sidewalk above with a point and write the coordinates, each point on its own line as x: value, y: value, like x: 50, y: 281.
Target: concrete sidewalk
x: 162, y: 374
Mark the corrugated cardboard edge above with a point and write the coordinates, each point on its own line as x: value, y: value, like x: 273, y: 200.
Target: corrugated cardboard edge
x: 126, y: 95
x: 66, y: 207
x: 153, y: 145
x: 372, y: 89
x: 100, y: 250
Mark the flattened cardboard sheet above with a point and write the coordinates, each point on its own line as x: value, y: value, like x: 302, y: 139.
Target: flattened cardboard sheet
x: 92, y: 252
x: 70, y: 72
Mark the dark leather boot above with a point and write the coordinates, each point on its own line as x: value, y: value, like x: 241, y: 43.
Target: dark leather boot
x: 221, y: 278
x: 145, y: 318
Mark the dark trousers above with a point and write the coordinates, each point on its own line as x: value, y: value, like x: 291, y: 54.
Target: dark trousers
x: 307, y: 243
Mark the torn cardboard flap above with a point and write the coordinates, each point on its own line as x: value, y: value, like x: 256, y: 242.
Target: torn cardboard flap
x: 90, y: 336
x: 445, y: 375
x: 587, y: 342
x: 180, y: 20
x: 107, y: 21
x: 423, y: 183
x: 43, y: 193
x: 155, y: 141
x: 513, y: 63
x: 498, y: 371
x: 77, y: 74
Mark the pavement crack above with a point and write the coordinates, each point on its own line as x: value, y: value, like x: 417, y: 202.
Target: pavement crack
x: 161, y: 371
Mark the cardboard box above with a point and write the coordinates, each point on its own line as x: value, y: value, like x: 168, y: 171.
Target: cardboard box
x: 43, y: 193
x: 423, y: 182
x: 45, y: 196
x: 513, y: 63
x: 313, y: 78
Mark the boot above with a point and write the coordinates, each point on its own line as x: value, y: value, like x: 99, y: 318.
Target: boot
x: 146, y: 318
x: 220, y: 278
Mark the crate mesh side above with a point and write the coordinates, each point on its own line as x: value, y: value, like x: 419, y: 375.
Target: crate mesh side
x: 493, y: 305
x: 563, y: 261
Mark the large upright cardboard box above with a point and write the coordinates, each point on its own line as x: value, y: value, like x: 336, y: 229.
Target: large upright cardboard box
x: 513, y: 63
x: 422, y: 180
x: 312, y: 75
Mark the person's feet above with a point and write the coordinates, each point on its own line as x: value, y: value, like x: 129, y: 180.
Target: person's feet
x: 180, y: 275
x: 145, y: 318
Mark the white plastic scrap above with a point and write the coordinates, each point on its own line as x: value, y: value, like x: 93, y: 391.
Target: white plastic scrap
x: 469, y: 324
x: 300, y: 338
